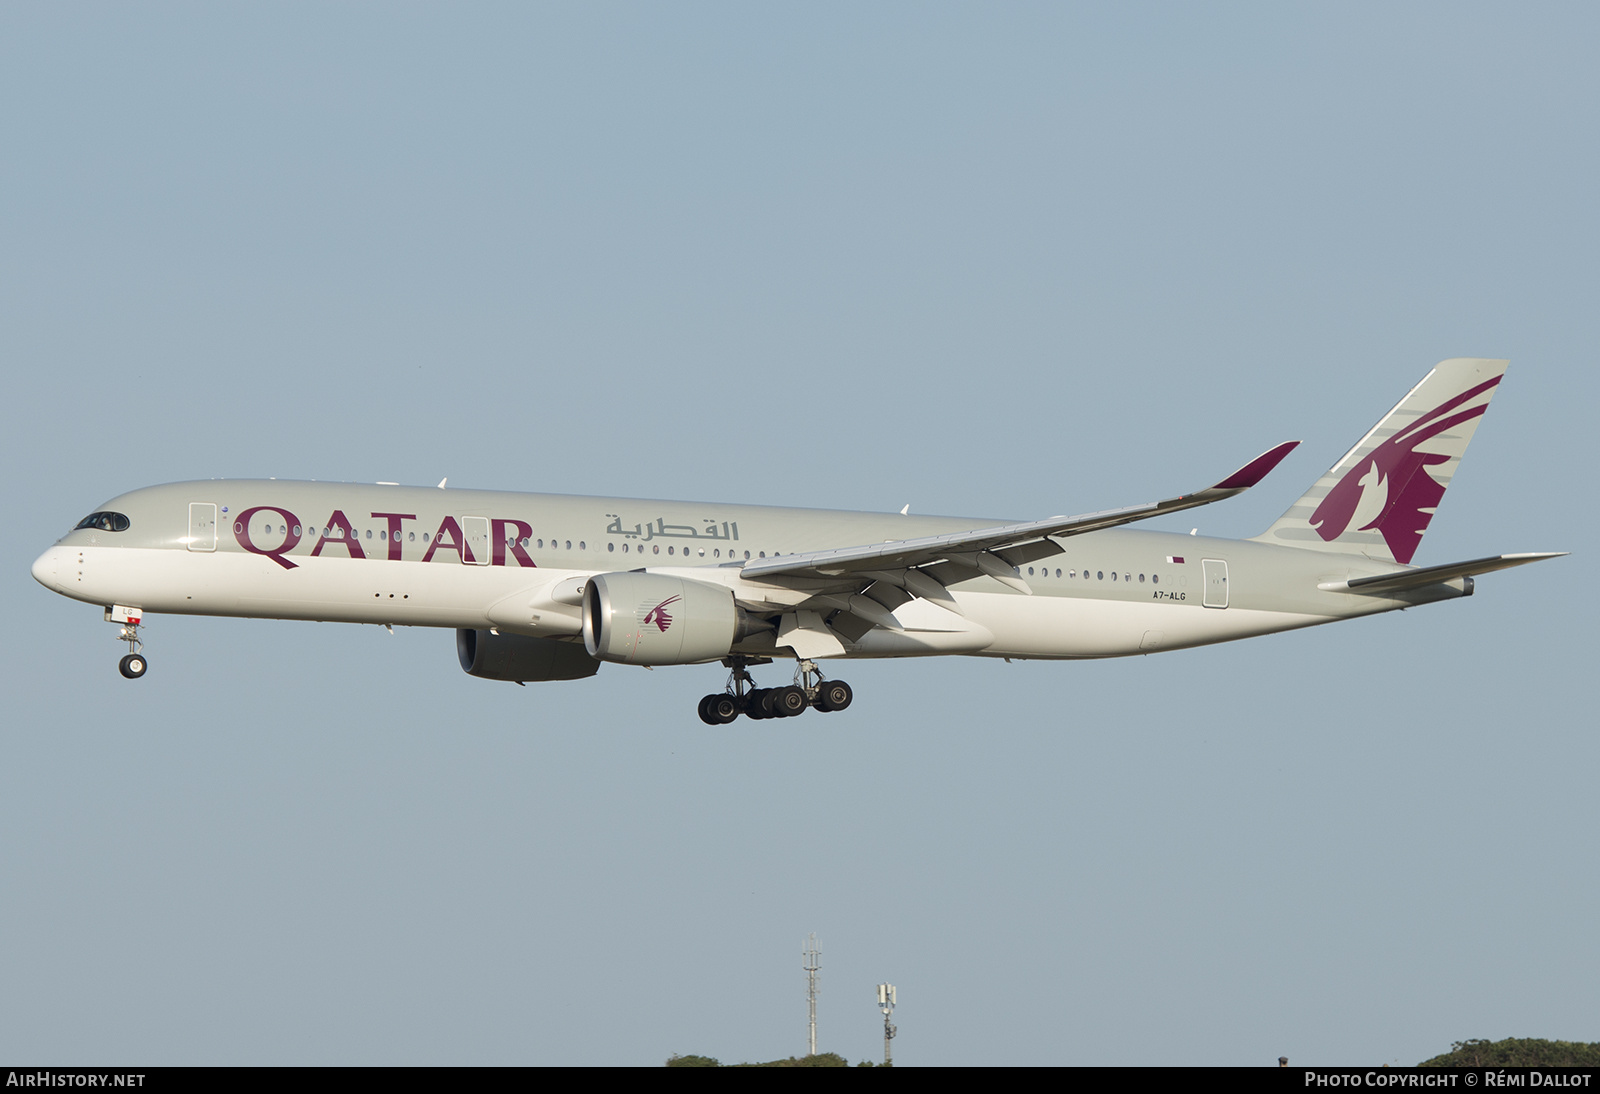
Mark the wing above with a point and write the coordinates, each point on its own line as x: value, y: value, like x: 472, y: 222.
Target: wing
x: 1006, y: 545
x: 893, y: 573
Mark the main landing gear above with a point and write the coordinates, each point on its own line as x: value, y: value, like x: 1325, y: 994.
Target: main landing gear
x: 742, y: 697
x: 133, y: 665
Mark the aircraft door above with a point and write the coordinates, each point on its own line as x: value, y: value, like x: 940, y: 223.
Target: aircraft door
x: 1215, y: 572
x: 477, y: 533
x: 202, y: 526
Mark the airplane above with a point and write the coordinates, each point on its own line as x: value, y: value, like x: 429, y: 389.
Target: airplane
x: 544, y: 587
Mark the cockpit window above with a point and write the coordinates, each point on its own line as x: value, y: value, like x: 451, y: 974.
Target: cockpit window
x: 106, y: 522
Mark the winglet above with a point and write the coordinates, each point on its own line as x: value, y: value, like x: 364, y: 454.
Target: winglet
x: 1257, y: 469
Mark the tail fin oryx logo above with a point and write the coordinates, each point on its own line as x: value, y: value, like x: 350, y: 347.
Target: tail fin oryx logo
x: 659, y: 614
x: 1378, y: 499
x: 1390, y: 490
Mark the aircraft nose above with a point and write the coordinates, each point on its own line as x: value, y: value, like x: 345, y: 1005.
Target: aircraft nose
x: 44, y: 569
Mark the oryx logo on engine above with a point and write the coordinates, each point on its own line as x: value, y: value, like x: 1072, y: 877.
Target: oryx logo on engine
x: 659, y: 614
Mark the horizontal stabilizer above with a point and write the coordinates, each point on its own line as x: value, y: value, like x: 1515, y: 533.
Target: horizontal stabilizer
x: 1432, y: 575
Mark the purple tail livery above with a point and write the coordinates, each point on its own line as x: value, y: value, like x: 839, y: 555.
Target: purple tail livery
x: 1378, y: 499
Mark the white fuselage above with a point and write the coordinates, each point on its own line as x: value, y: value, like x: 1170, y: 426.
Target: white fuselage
x: 472, y: 559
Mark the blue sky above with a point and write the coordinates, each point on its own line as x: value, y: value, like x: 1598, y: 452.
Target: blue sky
x: 1002, y: 261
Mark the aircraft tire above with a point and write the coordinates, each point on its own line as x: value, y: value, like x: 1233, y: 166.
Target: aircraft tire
x: 705, y: 710
x: 833, y: 695
x: 753, y: 708
x: 765, y: 703
x: 133, y: 666
x: 723, y: 709
x: 787, y: 702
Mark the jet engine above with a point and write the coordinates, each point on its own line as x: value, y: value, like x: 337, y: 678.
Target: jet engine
x: 653, y: 619
x: 521, y: 658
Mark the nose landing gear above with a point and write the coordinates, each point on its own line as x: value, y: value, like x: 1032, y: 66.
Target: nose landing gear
x: 134, y: 664
x: 741, y: 697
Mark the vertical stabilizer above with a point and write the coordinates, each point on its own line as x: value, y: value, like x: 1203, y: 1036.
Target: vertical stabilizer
x: 1377, y: 500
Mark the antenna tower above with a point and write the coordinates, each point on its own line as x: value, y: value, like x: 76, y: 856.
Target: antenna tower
x: 886, y: 1004
x: 813, y: 965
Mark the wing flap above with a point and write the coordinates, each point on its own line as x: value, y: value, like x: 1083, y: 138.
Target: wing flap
x: 808, y: 636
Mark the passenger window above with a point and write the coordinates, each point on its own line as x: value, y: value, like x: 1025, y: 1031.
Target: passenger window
x: 611, y: 547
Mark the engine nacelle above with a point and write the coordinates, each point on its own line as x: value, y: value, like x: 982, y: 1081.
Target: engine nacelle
x: 521, y: 658
x: 653, y: 619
